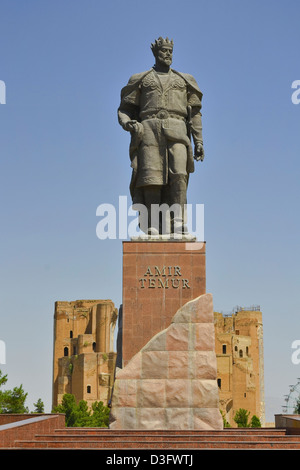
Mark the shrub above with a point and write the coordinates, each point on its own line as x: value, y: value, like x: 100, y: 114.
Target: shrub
x: 241, y: 418
x: 80, y: 415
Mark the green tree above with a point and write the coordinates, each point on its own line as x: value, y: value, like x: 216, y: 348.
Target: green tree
x: 68, y: 407
x: 80, y: 415
x: 255, y: 422
x: 241, y: 418
x: 13, y: 401
x: 3, y: 379
x: 100, y: 416
x: 83, y: 414
x: 39, y: 406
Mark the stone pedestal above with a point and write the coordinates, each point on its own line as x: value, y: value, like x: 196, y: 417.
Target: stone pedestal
x: 171, y: 382
x: 158, y: 278
x: 168, y: 378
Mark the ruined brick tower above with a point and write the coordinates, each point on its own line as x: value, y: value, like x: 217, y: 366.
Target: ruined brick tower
x: 239, y: 350
x: 83, y: 360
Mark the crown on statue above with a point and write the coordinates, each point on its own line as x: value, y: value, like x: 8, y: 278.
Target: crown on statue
x: 161, y: 42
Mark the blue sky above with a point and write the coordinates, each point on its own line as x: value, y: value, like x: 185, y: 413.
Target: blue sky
x: 63, y: 153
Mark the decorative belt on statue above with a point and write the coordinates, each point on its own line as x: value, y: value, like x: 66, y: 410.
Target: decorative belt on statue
x: 162, y: 114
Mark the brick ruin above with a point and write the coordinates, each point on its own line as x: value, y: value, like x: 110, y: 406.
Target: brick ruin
x: 84, y: 358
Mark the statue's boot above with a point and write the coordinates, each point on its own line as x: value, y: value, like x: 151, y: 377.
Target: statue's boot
x: 177, y: 198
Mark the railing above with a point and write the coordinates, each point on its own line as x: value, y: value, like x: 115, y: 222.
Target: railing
x: 253, y: 308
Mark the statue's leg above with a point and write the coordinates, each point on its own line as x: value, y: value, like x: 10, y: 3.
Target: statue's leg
x: 177, y: 198
x: 178, y: 185
x: 152, y: 195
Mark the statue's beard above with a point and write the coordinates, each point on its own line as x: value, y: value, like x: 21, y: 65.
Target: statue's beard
x: 166, y: 62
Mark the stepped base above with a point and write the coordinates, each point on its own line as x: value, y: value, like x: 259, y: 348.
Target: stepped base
x: 49, y: 432
x: 86, y: 438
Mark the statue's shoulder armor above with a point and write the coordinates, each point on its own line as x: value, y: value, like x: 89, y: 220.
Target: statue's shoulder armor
x: 137, y: 78
x: 190, y: 80
x: 134, y: 82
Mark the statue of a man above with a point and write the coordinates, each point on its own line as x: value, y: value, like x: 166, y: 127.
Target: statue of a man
x: 161, y: 109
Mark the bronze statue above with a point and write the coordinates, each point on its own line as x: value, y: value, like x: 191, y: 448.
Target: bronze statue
x: 161, y: 109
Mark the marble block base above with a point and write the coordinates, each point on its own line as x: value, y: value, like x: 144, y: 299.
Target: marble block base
x: 171, y: 382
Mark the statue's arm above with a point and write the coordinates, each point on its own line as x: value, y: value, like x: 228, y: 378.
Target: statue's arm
x: 194, y: 100
x: 126, y: 114
x: 128, y: 119
x: 196, y: 126
x: 130, y: 100
x: 129, y: 107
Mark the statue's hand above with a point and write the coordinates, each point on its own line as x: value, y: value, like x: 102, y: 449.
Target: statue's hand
x: 134, y: 127
x: 130, y: 126
x: 199, y: 152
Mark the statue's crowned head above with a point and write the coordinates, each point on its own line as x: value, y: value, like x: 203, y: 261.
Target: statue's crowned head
x: 161, y: 43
